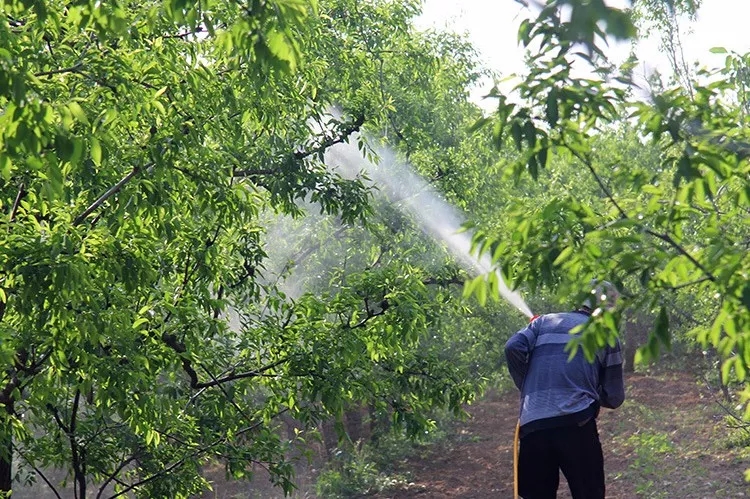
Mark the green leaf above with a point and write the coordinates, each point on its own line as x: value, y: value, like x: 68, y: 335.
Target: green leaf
x: 77, y: 111
x: 524, y: 31
x: 138, y: 322
x: 95, y: 151
x: 564, y: 255
x: 516, y: 132
x: 6, y: 167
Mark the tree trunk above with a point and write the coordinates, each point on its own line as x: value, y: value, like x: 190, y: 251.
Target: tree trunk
x: 629, y: 349
x: 353, y: 418
x: 6, y: 463
x: 636, y: 326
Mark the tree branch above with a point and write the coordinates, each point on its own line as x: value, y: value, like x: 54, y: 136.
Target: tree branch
x: 17, y: 202
x: 36, y: 470
x: 113, y: 475
x: 664, y: 237
x: 111, y: 192
x: 195, y: 384
x: 79, y: 467
x: 248, y: 374
x: 199, y: 29
x: 586, y: 161
x: 443, y: 281
x: 370, y: 315
x: 253, y: 173
x: 71, y: 69
x: 691, y: 283
x: 197, y: 452
x: 321, y: 147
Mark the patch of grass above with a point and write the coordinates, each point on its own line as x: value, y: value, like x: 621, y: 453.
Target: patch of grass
x: 677, y: 443
x: 355, y: 474
x: 358, y: 471
x: 648, y: 447
x: 738, y: 436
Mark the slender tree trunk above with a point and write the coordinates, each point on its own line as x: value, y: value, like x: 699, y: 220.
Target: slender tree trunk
x: 6, y: 463
x: 6, y: 441
x: 353, y: 418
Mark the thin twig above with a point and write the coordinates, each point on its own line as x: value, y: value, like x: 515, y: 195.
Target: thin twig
x: 111, y: 192
x: 199, y: 29
x: 586, y: 161
x: 17, y: 202
x: 691, y: 283
x: 36, y: 470
x: 249, y: 374
x: 720, y: 404
x: 71, y: 69
x: 112, y: 477
x: 664, y: 237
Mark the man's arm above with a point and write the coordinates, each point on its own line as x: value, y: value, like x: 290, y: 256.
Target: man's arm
x: 517, y: 351
x: 611, y: 381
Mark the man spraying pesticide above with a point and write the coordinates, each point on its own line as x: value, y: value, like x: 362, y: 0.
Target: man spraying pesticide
x: 560, y: 400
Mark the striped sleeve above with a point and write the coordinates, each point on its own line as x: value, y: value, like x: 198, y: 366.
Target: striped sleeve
x: 611, y: 381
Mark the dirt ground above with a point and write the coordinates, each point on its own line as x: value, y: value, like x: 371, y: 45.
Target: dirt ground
x: 669, y: 440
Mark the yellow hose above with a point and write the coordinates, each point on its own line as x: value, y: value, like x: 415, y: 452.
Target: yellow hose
x: 515, y: 460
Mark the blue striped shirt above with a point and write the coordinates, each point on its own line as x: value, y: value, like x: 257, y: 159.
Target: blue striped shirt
x: 555, y: 391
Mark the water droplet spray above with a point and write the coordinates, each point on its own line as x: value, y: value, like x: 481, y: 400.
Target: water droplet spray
x: 401, y: 185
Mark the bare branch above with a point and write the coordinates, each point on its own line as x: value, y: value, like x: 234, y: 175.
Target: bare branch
x: 197, y: 452
x: 111, y: 192
x: 36, y: 470
x: 71, y: 69
x: 16, y: 203
x: 666, y: 238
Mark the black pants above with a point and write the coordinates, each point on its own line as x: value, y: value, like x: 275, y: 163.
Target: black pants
x: 575, y: 450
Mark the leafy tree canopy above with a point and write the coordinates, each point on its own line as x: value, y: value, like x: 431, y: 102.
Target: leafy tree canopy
x: 662, y: 210
x: 143, y: 147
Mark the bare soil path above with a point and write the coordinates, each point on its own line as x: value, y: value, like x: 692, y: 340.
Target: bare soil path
x: 669, y: 440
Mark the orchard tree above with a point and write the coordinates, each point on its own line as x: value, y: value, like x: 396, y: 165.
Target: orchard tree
x: 142, y: 147
x: 672, y: 226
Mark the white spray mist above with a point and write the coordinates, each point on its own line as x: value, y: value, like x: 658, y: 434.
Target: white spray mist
x: 401, y: 185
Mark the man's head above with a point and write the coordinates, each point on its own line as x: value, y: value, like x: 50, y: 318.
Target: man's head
x: 603, y: 294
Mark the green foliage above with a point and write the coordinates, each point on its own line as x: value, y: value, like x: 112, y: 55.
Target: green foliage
x: 352, y: 475
x: 142, y: 152
x: 653, y: 196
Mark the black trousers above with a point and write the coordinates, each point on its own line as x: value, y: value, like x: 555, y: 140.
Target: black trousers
x: 575, y: 450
